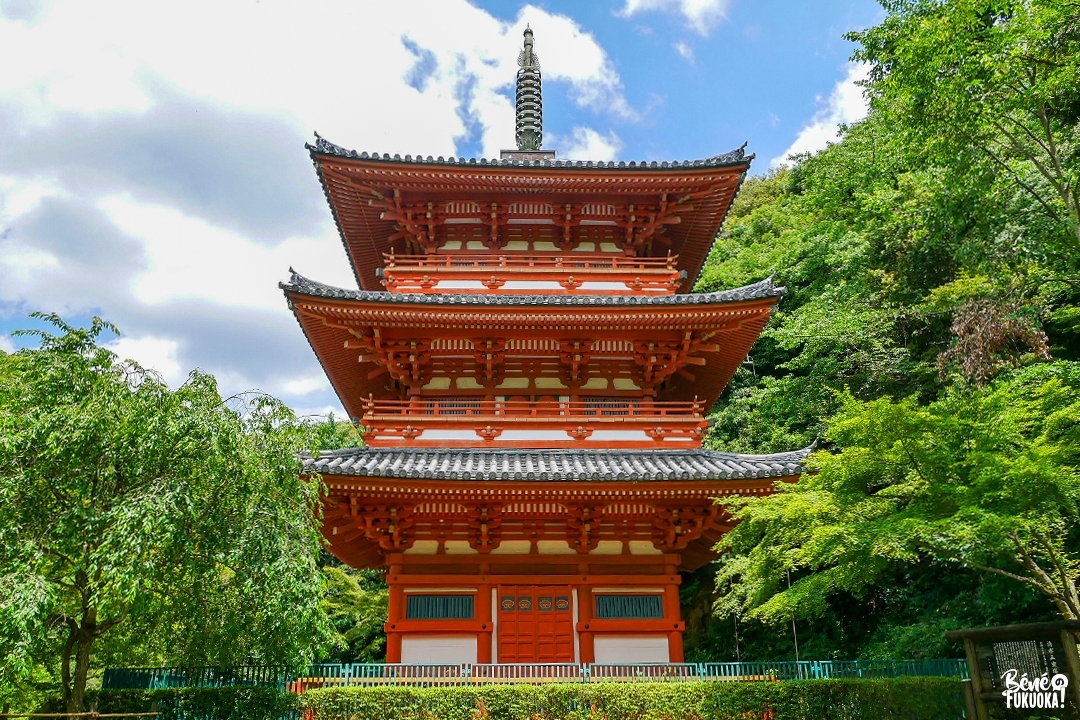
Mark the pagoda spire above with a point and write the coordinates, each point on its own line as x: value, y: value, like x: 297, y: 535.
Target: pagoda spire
x: 529, y: 113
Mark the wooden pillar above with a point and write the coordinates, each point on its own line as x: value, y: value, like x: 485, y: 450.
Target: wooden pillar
x: 394, y: 614
x: 585, y: 614
x: 976, y: 679
x: 672, y: 614
x: 675, y: 647
x: 1072, y: 658
x: 483, y: 614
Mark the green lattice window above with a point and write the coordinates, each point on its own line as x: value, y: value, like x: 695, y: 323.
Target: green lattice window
x: 439, y: 607
x: 625, y: 607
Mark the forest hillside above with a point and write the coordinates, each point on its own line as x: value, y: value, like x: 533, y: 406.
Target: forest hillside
x: 928, y: 341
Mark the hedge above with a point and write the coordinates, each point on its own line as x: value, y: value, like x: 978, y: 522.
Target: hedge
x: 223, y: 703
x: 837, y: 699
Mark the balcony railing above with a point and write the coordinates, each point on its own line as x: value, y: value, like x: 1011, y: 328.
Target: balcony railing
x: 369, y: 675
x: 462, y: 422
x: 584, y: 274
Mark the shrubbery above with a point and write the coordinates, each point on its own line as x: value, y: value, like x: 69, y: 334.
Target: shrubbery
x: 903, y: 698
x: 225, y: 703
x: 886, y: 699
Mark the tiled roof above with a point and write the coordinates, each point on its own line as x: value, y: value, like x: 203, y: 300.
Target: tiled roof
x: 556, y: 465
x: 734, y: 157
x: 761, y: 289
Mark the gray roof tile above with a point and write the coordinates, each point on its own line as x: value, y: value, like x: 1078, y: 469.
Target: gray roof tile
x: 555, y: 465
x: 761, y: 289
x: 738, y: 156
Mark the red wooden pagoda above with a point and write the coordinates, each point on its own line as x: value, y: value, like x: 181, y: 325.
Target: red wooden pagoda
x: 532, y: 374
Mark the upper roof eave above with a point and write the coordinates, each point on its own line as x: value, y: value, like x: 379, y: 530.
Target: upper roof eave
x: 732, y: 158
x: 760, y: 290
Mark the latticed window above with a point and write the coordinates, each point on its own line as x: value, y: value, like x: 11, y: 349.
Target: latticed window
x: 463, y: 406
x: 439, y: 607
x: 609, y: 406
x: 625, y: 607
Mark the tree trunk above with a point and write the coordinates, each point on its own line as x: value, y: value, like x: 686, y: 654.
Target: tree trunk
x: 79, y: 642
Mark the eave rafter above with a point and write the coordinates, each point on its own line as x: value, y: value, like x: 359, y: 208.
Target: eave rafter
x: 390, y: 515
x: 412, y: 354
x: 421, y: 222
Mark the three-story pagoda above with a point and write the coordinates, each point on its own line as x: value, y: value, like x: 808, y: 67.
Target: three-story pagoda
x: 531, y: 371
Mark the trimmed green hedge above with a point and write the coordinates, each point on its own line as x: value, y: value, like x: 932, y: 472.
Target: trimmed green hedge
x: 225, y: 703
x: 887, y: 699
x: 840, y: 699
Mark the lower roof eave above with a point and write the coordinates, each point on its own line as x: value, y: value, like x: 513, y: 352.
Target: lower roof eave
x: 591, y: 466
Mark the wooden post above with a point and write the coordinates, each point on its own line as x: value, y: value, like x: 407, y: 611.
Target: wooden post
x: 675, y: 647
x: 982, y: 713
x: 585, y: 614
x: 1068, y: 642
x: 672, y: 613
x: 394, y: 614
x: 970, y: 707
x: 483, y: 614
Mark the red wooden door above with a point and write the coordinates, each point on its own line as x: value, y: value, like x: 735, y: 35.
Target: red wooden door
x: 536, y: 624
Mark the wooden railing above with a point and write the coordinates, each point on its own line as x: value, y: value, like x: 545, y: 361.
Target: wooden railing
x: 370, y: 674
x: 569, y: 261
x: 638, y: 423
x: 584, y: 274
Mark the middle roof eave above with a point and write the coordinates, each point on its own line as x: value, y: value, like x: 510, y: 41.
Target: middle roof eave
x: 763, y: 289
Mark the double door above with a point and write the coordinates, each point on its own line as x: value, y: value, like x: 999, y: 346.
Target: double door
x: 536, y: 624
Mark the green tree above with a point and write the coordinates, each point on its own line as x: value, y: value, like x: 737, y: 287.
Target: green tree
x: 935, y: 240
x: 356, y: 602
x: 985, y: 479
x: 176, y: 514
x: 989, y: 85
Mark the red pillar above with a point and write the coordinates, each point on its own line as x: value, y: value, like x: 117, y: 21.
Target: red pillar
x: 585, y: 614
x: 395, y: 613
x: 483, y: 614
x: 672, y: 614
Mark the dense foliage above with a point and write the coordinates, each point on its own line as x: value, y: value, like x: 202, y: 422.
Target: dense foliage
x: 147, y: 523
x: 222, y: 703
x: 356, y: 602
x: 907, y: 698
x: 929, y: 337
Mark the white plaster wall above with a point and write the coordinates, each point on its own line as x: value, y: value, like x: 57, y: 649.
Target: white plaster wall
x: 631, y: 648
x: 438, y: 649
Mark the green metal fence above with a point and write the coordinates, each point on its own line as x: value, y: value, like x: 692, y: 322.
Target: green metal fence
x: 368, y: 675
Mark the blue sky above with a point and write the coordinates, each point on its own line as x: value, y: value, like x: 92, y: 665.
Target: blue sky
x: 758, y: 73
x: 152, y: 168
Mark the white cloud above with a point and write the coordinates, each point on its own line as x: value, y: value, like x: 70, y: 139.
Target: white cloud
x: 189, y: 258
x: 320, y: 412
x: 684, y: 50
x: 426, y: 66
x: 6, y: 345
x: 845, y: 105
x: 143, y: 175
x: 304, y: 386
x: 154, y: 353
x: 701, y: 15
x: 584, y: 143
